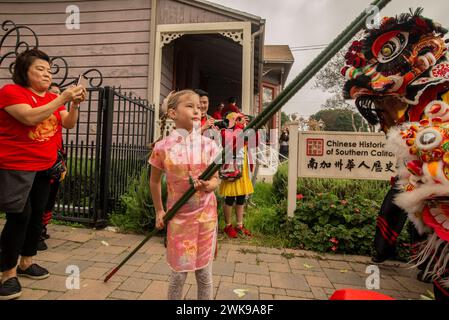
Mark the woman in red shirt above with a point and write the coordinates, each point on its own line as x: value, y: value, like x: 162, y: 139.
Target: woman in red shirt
x: 31, y: 121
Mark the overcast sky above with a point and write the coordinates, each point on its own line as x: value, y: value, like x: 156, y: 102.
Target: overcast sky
x: 316, y: 22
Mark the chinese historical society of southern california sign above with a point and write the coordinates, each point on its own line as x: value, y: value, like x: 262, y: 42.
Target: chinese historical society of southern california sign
x: 344, y: 155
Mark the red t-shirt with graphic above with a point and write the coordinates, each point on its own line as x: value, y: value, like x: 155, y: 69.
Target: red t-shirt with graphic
x: 28, y: 148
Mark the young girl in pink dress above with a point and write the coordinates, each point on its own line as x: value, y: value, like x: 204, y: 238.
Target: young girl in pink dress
x: 183, y: 156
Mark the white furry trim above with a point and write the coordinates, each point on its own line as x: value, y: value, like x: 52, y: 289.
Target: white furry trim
x: 435, y: 268
x: 413, y: 201
x: 397, y: 145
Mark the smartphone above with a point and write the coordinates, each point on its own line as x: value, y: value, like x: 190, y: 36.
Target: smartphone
x: 82, y: 80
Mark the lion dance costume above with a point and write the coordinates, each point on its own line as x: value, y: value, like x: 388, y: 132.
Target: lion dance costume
x: 398, y: 75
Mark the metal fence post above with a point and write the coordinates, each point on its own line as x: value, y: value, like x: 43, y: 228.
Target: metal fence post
x: 105, y: 164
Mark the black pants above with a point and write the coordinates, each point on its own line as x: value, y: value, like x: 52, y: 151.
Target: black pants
x: 390, y: 222
x: 22, y: 230
x: 283, y: 150
x: 239, y: 200
x: 52, y: 194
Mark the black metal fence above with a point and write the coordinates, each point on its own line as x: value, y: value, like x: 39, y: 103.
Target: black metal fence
x: 105, y: 152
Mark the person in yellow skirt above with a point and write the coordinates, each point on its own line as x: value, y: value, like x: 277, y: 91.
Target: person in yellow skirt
x: 236, y: 191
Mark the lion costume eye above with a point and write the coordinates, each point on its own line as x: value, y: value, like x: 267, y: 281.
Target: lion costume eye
x: 428, y: 139
x: 393, y: 47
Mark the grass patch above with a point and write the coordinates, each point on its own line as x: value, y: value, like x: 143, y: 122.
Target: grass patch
x: 263, y: 219
x: 67, y: 223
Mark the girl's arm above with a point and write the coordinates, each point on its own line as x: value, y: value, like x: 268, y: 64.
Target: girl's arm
x: 156, y: 195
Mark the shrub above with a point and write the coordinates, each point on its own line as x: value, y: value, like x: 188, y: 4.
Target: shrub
x: 368, y: 189
x: 333, y: 216
x: 325, y: 222
x: 136, y: 212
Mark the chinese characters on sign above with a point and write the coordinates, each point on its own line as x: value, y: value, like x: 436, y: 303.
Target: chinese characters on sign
x: 350, y: 164
x: 344, y: 155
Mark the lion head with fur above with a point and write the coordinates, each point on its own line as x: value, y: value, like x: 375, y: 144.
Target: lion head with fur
x: 388, y: 70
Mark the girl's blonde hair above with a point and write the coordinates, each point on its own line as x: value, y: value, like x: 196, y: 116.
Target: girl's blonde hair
x: 170, y: 102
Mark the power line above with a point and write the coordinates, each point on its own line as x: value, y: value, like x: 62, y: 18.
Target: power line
x: 307, y: 49
x: 308, y: 46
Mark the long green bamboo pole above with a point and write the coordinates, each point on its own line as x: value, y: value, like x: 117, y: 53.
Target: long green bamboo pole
x: 332, y: 49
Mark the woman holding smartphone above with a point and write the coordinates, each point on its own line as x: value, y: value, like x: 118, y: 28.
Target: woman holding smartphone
x: 31, y: 121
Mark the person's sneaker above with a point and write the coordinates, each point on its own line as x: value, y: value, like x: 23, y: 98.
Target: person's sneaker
x: 243, y: 231
x: 41, y: 245
x: 10, y: 289
x: 230, y: 231
x: 34, y: 272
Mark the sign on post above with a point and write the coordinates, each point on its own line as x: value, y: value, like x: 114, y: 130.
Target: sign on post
x: 344, y: 155
x: 337, y: 155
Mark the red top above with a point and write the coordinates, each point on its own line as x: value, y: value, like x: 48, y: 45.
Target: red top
x: 28, y: 148
x: 217, y: 115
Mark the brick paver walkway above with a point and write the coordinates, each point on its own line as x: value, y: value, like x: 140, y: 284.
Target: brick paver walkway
x: 259, y: 273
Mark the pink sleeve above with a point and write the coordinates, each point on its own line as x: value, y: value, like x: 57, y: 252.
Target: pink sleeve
x: 157, y: 157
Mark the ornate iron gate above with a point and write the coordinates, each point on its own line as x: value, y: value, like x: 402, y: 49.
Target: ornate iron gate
x: 106, y: 150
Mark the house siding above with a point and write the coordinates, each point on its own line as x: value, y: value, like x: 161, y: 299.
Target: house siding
x: 173, y: 12
x: 114, y: 37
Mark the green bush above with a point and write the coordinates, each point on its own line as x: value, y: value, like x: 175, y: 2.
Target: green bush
x: 325, y: 223
x: 136, y: 212
x: 334, y: 215
x: 368, y: 189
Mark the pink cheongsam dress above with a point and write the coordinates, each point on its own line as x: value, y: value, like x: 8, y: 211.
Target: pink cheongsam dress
x: 192, y: 232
